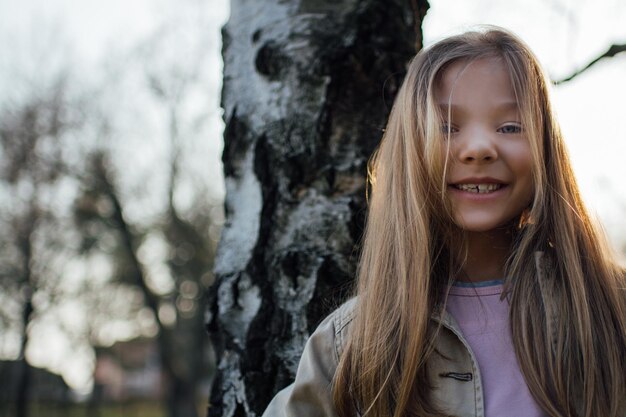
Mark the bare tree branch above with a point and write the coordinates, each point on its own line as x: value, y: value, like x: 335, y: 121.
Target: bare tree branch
x: 419, y: 10
x: 611, y: 52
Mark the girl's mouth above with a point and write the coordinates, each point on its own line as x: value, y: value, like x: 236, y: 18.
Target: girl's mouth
x: 478, y: 188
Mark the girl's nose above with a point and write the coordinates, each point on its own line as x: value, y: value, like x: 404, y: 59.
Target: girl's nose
x: 477, y: 147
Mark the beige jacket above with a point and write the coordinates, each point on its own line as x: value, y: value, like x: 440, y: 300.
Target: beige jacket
x: 458, y: 379
x: 458, y: 384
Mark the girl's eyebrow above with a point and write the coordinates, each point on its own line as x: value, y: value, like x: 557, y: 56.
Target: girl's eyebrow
x: 499, y: 108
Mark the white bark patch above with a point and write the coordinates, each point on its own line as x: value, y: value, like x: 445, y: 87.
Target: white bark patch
x: 238, y: 313
x: 240, y: 234
x: 317, y: 220
x: 318, y: 225
x: 248, y: 17
x: 236, y: 392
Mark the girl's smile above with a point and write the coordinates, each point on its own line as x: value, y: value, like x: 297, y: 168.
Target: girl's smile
x: 489, y: 172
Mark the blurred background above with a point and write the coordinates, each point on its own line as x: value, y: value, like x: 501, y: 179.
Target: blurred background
x: 111, y: 186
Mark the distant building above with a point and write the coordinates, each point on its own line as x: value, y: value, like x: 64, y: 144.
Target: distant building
x: 128, y: 370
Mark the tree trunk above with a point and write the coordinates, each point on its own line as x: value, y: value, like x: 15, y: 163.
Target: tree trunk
x: 181, y: 350
x: 307, y: 89
x: 25, y: 239
x: 23, y: 382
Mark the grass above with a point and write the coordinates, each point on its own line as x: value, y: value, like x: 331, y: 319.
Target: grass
x: 130, y: 409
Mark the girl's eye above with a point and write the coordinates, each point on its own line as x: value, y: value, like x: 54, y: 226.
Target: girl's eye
x: 445, y: 128
x: 511, y: 128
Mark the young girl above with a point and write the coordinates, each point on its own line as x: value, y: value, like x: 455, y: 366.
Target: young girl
x: 484, y: 287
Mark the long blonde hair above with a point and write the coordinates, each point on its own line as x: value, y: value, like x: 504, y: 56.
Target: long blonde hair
x: 569, y: 331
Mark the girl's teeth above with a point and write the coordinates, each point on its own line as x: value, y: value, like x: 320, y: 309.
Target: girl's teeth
x: 479, y: 188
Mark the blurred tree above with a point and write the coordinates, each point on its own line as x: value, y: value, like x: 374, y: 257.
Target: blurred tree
x: 166, y: 253
x: 104, y: 199
x: 179, y: 312
x: 307, y: 90
x: 33, y: 184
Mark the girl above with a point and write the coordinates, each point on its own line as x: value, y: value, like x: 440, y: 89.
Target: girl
x: 484, y: 287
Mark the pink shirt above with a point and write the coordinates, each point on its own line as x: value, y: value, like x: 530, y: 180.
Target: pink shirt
x: 484, y: 321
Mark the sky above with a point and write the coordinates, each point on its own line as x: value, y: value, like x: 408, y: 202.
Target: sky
x: 565, y: 34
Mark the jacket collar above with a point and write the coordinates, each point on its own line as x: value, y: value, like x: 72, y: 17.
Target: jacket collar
x: 541, y: 265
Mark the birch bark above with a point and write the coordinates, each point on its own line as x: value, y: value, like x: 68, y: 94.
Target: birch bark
x: 308, y: 85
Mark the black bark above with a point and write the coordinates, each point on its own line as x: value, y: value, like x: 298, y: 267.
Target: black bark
x: 308, y: 86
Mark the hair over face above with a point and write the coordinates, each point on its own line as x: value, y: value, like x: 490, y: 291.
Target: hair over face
x: 569, y: 332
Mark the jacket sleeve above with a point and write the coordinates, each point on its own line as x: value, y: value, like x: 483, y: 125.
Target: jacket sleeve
x: 310, y: 395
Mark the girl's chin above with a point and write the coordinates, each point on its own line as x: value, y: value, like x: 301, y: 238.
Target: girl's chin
x: 487, y: 227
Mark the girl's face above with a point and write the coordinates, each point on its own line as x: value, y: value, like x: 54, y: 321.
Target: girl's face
x: 489, y: 175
